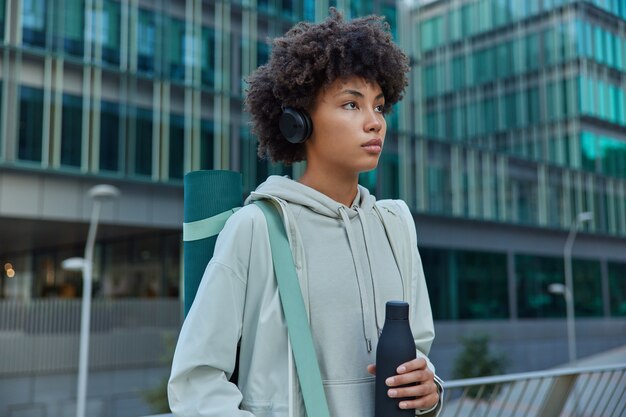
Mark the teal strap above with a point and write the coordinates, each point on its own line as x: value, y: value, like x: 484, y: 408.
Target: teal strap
x: 295, y: 314
x: 211, y: 226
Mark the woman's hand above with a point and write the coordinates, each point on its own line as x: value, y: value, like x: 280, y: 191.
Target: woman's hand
x: 422, y: 394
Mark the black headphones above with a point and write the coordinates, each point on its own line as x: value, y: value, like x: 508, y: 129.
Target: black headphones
x: 295, y: 125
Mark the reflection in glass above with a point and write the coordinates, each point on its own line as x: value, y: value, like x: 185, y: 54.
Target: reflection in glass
x: 177, y: 146
x: 109, y: 136
x: 71, y: 131
x: 31, y: 124
x: 34, y: 22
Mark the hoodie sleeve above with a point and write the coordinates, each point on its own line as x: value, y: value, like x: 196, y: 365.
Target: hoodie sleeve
x: 205, y: 353
x: 422, y: 318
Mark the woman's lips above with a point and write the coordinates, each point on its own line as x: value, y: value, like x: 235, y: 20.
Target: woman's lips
x: 373, y: 146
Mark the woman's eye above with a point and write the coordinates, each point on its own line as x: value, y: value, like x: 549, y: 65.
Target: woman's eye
x: 380, y: 108
x: 350, y: 106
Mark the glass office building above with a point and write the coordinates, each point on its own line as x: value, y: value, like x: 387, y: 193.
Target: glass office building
x: 135, y: 93
x: 514, y: 120
x: 516, y: 124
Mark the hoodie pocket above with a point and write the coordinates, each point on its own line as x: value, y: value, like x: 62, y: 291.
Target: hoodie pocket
x: 351, y: 397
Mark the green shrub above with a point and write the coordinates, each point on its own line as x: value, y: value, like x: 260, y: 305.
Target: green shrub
x: 476, y: 360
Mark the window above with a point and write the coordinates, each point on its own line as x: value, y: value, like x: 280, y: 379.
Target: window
x: 588, y: 151
x: 111, y: 27
x: 587, y: 281
x: 429, y: 82
x: 146, y: 32
x: 176, y: 49
x: 143, y: 142
x: 109, y: 136
x: 432, y: 34
x: 208, y: 56
x: 534, y: 109
x: 581, y: 41
x: 71, y: 131
x: 309, y: 11
x: 482, y: 280
x: 458, y: 123
x: 510, y: 111
x: 263, y: 52
x: 600, y: 52
x: 438, y: 180
x: 517, y: 49
x: 454, y: 25
x: 31, y: 124
x: 619, y: 57
x: 426, y: 35
x: 73, y: 27
x: 504, y: 59
x: 483, y: 66
x: 444, y: 297
x: 2, y: 18
x: 467, y: 20
x: 522, y: 197
x: 432, y: 124
x: 34, y: 22
x: 534, y: 274
x: 501, y: 12
x: 458, y: 73
x: 207, y: 137
x: 490, y: 115
x: 613, y: 156
x: 2, y: 139
x: 532, y: 52
x: 617, y: 288
x: 287, y: 8
x: 177, y: 147
x: 105, y: 30
x: 466, y: 284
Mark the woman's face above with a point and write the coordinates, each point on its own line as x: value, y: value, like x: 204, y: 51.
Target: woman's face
x: 348, y: 127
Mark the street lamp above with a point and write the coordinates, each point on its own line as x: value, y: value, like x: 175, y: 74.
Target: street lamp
x: 568, y: 289
x: 98, y: 194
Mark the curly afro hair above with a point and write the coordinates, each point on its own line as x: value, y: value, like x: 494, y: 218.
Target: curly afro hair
x: 308, y: 58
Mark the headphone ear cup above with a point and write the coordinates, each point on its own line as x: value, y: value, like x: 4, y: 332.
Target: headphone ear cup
x: 295, y: 125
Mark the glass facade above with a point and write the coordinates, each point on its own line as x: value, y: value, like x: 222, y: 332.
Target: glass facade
x: 115, y: 60
x: 515, y: 114
x: 535, y: 90
x: 140, y: 92
x: 466, y: 284
x: 516, y: 117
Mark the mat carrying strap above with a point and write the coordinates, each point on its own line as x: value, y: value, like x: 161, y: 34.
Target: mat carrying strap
x: 299, y: 331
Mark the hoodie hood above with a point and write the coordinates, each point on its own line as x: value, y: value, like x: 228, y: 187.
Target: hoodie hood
x: 294, y: 192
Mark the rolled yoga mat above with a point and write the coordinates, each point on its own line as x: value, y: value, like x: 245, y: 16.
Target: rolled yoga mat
x: 207, y: 193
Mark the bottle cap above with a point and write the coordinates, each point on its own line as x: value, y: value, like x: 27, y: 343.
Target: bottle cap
x: 397, y: 310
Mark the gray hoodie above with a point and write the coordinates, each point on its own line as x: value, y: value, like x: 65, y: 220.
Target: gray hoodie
x: 347, y: 270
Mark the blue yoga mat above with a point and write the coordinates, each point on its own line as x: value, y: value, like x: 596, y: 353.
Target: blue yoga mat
x: 207, y: 193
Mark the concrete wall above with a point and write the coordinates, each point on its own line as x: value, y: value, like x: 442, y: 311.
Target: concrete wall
x: 52, y: 196
x: 117, y: 393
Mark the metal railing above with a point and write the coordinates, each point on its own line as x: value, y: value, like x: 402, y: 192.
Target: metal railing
x: 41, y: 335
x: 580, y: 392
x: 577, y: 392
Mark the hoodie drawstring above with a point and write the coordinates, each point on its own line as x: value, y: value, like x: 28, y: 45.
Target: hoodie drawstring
x: 365, y: 307
x: 366, y: 233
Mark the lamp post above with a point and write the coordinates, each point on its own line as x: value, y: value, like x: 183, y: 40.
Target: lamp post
x: 98, y: 194
x: 568, y: 289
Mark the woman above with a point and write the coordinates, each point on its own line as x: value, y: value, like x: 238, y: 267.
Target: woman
x: 352, y: 254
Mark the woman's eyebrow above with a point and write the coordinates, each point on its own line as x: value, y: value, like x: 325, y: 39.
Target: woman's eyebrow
x: 357, y: 93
